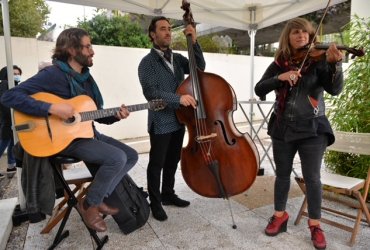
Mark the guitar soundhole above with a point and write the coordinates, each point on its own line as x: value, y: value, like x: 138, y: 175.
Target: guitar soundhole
x: 70, y: 120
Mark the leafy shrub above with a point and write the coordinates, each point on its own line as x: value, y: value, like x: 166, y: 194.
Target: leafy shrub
x: 350, y: 111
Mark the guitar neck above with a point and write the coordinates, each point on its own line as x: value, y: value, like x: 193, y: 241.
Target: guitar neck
x: 102, y: 113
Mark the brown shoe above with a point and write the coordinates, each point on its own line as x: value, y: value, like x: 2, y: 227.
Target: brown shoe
x: 91, y: 217
x: 107, y: 210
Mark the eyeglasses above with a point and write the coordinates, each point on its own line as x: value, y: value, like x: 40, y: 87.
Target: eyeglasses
x: 89, y: 46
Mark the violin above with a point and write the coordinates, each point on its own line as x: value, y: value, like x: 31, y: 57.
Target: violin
x: 317, y: 52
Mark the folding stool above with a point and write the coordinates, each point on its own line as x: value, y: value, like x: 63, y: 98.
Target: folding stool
x: 57, y: 163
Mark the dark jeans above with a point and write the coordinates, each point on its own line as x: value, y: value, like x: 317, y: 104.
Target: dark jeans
x: 8, y: 143
x: 165, y: 152
x: 310, y: 152
x: 107, y: 159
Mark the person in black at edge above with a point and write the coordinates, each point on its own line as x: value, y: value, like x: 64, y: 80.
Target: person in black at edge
x: 6, y: 132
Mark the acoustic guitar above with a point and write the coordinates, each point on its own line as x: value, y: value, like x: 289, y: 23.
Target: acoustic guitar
x: 46, y: 136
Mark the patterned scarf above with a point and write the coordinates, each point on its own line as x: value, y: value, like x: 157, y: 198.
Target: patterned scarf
x: 285, y: 89
x: 77, y: 80
x: 167, y: 54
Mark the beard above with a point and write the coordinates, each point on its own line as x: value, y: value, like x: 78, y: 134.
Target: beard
x: 83, y: 60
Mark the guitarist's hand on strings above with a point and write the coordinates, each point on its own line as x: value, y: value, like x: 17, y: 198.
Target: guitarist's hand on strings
x: 123, y: 112
x: 62, y: 110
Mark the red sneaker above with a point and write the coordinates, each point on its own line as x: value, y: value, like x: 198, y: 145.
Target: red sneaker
x: 277, y: 225
x: 317, y: 237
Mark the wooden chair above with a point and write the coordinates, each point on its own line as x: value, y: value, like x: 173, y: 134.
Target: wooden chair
x: 343, y: 189
x: 71, y: 200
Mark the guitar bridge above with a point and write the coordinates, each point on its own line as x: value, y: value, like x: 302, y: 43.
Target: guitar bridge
x: 24, y: 127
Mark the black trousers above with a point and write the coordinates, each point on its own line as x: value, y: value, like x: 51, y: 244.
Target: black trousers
x: 165, y: 152
x: 310, y: 152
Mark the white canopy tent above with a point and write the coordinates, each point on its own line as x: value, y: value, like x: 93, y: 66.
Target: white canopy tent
x: 237, y: 14
x: 249, y: 15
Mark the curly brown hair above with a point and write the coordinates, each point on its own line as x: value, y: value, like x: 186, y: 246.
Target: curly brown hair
x: 69, y: 38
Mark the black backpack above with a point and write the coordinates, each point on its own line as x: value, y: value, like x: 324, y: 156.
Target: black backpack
x: 132, y: 204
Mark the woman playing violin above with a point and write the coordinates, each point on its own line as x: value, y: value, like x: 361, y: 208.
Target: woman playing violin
x: 298, y: 123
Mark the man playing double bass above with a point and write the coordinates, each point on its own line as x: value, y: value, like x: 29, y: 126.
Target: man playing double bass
x: 160, y: 73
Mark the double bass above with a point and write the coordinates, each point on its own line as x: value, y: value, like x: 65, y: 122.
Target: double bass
x: 218, y: 161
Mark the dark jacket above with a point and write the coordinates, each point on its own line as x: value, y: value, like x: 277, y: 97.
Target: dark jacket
x: 304, y: 113
x: 159, y: 82
x: 6, y: 131
x: 319, y: 76
x: 37, y: 182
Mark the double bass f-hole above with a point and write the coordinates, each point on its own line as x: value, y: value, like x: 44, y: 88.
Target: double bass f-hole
x: 218, y: 161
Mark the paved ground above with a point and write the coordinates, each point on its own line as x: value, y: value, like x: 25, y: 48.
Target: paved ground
x: 206, y: 224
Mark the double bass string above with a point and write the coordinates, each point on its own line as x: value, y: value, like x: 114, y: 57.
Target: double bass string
x: 201, y: 127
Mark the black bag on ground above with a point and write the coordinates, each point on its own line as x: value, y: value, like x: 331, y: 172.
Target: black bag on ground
x: 132, y: 204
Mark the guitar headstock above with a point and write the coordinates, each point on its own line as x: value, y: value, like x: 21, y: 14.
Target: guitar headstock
x: 157, y: 104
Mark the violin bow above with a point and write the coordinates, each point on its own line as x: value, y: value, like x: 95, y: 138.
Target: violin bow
x: 314, y: 36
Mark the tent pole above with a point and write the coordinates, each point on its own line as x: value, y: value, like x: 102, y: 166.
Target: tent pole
x: 9, y: 63
x: 252, y: 33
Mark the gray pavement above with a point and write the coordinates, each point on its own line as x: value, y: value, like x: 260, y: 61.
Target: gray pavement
x: 205, y: 224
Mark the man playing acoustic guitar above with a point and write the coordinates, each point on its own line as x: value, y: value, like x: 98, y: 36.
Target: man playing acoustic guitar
x: 107, y: 159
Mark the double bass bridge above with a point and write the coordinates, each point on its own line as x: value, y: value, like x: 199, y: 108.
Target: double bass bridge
x: 205, y: 138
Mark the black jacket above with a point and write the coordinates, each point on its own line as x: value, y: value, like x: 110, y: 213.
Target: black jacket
x: 5, y: 115
x: 300, y: 102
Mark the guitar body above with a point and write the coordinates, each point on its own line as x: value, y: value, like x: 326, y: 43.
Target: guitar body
x: 42, y: 138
